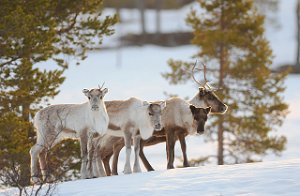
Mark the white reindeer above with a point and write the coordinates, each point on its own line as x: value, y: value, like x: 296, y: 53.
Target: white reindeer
x: 132, y: 119
x: 77, y: 121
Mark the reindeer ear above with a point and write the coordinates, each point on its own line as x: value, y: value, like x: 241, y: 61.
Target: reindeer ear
x: 146, y: 103
x: 163, y: 104
x: 193, y: 109
x: 207, y: 110
x: 85, y: 91
x: 104, y: 91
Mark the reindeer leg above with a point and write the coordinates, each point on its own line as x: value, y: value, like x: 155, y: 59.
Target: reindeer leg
x: 91, y: 155
x: 143, y: 157
x: 170, y: 148
x: 99, y: 168
x: 34, y: 153
x: 43, y: 165
x: 116, y: 148
x: 181, y: 138
x: 105, y: 161
x: 84, y: 155
x: 136, y: 143
x: 127, y: 139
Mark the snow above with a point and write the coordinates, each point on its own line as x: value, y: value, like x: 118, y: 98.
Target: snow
x: 136, y: 71
x: 265, y: 178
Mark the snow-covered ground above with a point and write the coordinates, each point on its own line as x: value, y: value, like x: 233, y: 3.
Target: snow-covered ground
x: 253, y: 179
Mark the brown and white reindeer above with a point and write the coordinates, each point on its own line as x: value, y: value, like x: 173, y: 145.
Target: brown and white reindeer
x: 191, y: 120
x: 77, y: 121
x: 175, y: 127
x: 133, y: 119
x: 205, y: 97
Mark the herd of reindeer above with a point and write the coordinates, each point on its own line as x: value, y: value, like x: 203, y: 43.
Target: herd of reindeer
x: 105, y: 127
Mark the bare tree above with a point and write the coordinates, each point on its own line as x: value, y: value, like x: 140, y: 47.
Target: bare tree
x: 11, y: 175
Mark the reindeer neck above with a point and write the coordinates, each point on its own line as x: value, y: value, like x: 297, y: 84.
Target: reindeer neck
x: 144, y: 124
x: 196, y: 101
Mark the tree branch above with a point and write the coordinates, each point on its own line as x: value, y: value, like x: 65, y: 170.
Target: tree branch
x: 71, y: 26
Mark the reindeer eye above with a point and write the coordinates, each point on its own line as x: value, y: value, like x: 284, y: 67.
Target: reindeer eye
x: 89, y: 97
x: 210, y: 97
x: 150, y: 114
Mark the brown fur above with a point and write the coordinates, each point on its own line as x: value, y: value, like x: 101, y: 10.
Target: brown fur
x: 203, y: 98
x: 169, y: 134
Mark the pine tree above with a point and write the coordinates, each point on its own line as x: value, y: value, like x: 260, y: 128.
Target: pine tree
x: 230, y: 37
x: 14, y: 147
x: 32, y: 32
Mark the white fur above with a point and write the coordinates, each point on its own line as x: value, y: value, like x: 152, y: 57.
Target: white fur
x: 58, y: 122
x: 131, y: 119
x: 197, y: 102
x: 178, y: 114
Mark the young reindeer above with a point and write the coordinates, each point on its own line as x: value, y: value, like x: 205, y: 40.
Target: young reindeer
x: 133, y: 119
x: 204, y: 98
x: 77, y: 121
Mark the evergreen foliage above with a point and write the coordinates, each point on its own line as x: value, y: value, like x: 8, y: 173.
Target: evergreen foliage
x: 230, y: 37
x: 32, y: 32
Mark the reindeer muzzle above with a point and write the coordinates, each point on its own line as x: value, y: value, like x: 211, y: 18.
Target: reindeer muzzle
x: 200, y: 129
x: 158, y: 127
x: 95, y: 107
x: 223, y: 108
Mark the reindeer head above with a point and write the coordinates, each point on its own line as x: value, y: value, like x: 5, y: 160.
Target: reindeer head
x: 155, y: 111
x: 200, y: 117
x: 95, y: 97
x: 206, y: 96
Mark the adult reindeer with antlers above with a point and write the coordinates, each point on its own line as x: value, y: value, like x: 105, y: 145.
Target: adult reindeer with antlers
x: 204, y: 98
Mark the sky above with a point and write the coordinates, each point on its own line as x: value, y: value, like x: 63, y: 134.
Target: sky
x: 136, y: 71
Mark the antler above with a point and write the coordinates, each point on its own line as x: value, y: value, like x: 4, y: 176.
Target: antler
x: 101, y: 86
x: 200, y: 84
x: 206, y: 83
x: 211, y: 88
x: 204, y: 75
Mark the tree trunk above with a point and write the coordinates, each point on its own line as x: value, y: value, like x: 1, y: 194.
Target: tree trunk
x: 298, y: 34
x: 25, y: 111
x: 141, y: 8
x: 220, y: 142
x: 221, y: 119
x: 222, y: 59
x: 158, y: 18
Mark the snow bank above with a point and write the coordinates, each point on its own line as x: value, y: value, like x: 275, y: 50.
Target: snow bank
x: 266, y: 178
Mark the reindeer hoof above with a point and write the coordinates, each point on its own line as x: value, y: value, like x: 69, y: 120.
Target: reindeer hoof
x: 36, y: 180
x: 186, y: 165
x: 138, y: 170
x: 127, y: 171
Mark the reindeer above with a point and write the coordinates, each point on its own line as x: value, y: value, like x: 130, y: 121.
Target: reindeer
x: 77, y: 121
x: 193, y: 119
x: 204, y: 98
x: 131, y: 119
